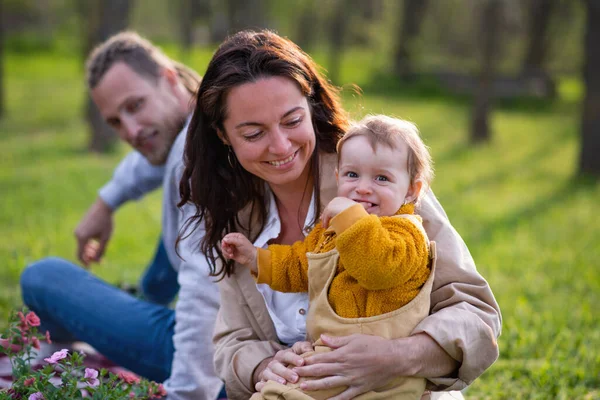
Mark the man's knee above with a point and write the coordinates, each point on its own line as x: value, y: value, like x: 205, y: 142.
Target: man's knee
x: 40, y: 274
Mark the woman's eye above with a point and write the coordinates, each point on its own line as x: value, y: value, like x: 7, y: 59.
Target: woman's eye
x: 253, y: 136
x: 293, y: 123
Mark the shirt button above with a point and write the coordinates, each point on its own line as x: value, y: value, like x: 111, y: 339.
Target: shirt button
x: 302, y: 311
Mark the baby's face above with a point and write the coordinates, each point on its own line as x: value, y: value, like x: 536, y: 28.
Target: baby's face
x: 378, y: 180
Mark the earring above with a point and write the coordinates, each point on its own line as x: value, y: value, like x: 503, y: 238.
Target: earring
x: 230, y: 155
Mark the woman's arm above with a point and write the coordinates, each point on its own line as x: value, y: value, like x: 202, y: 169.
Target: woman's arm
x: 243, y: 335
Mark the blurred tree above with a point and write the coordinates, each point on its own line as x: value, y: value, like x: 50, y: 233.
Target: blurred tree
x: 413, y: 13
x: 102, y: 19
x: 1, y: 61
x: 490, y: 39
x: 337, y: 31
x: 244, y: 14
x: 186, y: 24
x: 306, y: 32
x: 371, y: 10
x: 589, y: 161
x: 536, y: 52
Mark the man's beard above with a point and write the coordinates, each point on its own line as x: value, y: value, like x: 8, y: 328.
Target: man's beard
x: 171, y: 130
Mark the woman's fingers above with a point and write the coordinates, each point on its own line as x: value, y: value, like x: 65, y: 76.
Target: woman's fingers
x: 288, y: 357
x: 279, y: 372
x: 302, y: 347
x: 324, y: 383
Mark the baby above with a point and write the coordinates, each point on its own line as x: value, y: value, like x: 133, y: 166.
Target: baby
x: 368, y: 265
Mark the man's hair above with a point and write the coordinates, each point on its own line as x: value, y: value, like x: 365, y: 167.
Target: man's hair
x: 140, y: 55
x: 388, y: 131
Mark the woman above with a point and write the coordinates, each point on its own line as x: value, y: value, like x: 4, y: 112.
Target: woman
x: 265, y: 126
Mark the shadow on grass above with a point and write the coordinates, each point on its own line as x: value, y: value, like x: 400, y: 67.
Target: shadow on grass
x: 567, y: 191
x: 427, y: 86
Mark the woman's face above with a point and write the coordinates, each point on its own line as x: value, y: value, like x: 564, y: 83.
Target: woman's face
x: 269, y: 127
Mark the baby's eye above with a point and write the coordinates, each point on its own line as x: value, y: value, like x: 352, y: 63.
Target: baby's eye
x: 382, y: 178
x: 351, y: 174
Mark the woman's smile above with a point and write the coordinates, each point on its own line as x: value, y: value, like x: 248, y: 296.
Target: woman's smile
x: 285, y: 162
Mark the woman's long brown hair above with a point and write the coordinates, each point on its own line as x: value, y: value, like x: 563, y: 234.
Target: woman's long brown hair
x: 220, y: 189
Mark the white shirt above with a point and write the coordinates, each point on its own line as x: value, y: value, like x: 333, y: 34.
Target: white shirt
x: 287, y: 310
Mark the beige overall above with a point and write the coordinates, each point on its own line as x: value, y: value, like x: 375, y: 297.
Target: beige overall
x: 322, y: 319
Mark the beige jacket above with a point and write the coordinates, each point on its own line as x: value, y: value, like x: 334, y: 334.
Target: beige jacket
x: 464, y: 317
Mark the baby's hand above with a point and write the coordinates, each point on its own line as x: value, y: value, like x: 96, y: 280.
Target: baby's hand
x: 335, y: 206
x: 237, y: 247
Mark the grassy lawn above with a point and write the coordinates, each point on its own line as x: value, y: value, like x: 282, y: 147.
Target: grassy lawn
x: 529, y: 224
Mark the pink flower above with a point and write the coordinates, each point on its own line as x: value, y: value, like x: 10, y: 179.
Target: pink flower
x: 37, y: 396
x: 32, y: 319
x: 91, y: 376
x: 129, y: 377
x: 48, y: 337
x: 160, y: 391
x: 21, y: 317
x: 35, y: 342
x: 131, y: 395
x: 23, y: 327
x: 29, y: 382
x: 56, y: 357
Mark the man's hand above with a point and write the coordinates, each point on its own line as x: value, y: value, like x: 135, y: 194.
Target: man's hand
x: 335, y: 206
x: 94, y: 232
x: 237, y: 247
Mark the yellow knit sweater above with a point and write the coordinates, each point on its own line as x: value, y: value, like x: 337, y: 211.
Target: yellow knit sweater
x: 384, y: 261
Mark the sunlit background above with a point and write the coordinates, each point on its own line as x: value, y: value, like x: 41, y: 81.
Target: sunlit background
x: 497, y: 88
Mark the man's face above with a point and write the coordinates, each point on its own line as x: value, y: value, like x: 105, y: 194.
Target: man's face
x: 147, y: 114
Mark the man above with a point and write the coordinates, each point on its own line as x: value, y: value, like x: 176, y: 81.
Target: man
x: 148, y: 99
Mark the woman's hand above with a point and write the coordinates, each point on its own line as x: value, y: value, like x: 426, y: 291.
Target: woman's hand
x: 365, y: 362
x: 237, y: 247
x: 360, y: 362
x: 278, y: 368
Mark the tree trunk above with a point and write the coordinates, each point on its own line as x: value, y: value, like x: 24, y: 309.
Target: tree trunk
x: 246, y: 14
x: 105, y: 18
x: 186, y: 22
x: 490, y: 34
x: 1, y: 61
x: 589, y: 161
x: 536, y: 53
x: 412, y: 18
x: 306, y: 28
x: 337, y: 33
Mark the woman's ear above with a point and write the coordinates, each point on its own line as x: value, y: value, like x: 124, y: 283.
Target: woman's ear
x: 414, y: 191
x: 221, y: 136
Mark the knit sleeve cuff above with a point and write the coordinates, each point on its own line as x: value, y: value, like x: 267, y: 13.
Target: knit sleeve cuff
x: 347, y: 218
x: 265, y: 270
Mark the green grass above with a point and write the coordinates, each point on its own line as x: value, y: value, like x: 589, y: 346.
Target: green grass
x: 528, y: 222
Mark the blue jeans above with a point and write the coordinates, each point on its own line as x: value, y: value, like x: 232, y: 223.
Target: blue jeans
x: 159, y: 282
x: 73, y: 305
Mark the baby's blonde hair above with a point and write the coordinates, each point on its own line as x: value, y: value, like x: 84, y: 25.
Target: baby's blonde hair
x: 381, y: 129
